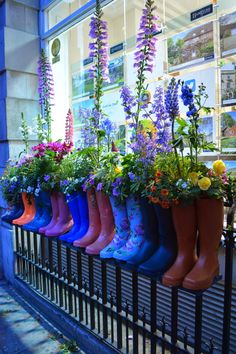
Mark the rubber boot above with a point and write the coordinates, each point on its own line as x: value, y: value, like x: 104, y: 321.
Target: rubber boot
x: 94, y: 222
x: 29, y: 210
x: 84, y: 218
x: 43, y: 213
x: 185, y: 222
x: 136, y: 239
x: 107, y: 225
x: 55, y: 214
x: 165, y: 254
x: 64, y: 222
x: 210, y: 214
x: 14, y: 212
x: 122, y: 230
x: 73, y: 204
x: 150, y: 235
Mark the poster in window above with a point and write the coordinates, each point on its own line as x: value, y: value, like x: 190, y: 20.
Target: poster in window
x: 76, y: 106
x: 82, y: 84
x: 228, y: 132
x: 111, y: 106
x: 191, y: 47
x: 228, y: 34
x: 116, y: 74
x: 228, y: 84
x: 193, y: 80
x: 206, y: 127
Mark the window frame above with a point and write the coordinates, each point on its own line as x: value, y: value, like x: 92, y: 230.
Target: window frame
x: 68, y: 22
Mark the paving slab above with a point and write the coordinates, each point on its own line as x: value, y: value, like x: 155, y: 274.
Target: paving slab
x: 23, y: 331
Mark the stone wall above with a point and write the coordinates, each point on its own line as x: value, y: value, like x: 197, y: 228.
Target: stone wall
x: 19, y: 52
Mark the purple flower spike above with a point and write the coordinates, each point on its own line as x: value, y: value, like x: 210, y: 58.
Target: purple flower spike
x: 99, y: 47
x: 146, y: 42
x: 171, y: 99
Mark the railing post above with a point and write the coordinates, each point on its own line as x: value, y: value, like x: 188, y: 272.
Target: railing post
x: 174, y: 319
x: 91, y: 292
x: 135, y: 310
x: 198, y: 324
x: 229, y: 248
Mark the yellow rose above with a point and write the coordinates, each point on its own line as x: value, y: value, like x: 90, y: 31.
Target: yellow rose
x: 219, y: 167
x: 193, y: 176
x: 204, y: 183
x: 118, y: 170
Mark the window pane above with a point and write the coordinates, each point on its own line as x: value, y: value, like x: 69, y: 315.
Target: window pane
x: 63, y: 9
x: 201, y: 49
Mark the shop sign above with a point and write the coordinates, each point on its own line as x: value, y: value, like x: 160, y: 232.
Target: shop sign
x: 117, y: 48
x: 204, y: 11
x: 87, y: 61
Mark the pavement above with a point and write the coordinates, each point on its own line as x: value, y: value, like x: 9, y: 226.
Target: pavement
x: 24, y: 331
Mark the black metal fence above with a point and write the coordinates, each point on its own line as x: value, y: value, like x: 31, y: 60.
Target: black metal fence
x: 130, y: 312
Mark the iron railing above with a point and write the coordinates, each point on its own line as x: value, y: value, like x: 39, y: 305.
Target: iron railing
x: 130, y: 312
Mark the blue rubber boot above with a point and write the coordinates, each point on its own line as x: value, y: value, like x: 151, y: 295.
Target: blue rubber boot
x: 150, y: 243
x: 122, y: 232
x: 14, y: 213
x: 73, y: 203
x: 136, y: 240
x: 43, y: 213
x: 84, y: 217
x: 165, y: 255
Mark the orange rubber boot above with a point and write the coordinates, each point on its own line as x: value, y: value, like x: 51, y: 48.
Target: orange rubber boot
x: 210, y: 215
x: 185, y: 222
x: 107, y: 225
x: 94, y: 222
x: 29, y: 210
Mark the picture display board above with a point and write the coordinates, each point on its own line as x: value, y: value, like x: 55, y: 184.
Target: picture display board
x: 196, y: 44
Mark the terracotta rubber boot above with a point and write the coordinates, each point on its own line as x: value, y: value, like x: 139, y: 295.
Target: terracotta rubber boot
x: 185, y: 223
x: 210, y: 214
x: 64, y: 222
x: 94, y: 222
x: 29, y: 210
x: 55, y: 213
x: 122, y: 228
x: 107, y: 225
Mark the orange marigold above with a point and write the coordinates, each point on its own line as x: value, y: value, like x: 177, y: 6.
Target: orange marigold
x: 153, y: 189
x: 158, y: 174
x: 164, y: 192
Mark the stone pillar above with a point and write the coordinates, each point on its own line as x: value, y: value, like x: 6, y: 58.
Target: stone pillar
x: 19, y: 52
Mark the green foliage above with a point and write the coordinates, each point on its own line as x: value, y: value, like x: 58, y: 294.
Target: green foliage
x: 75, y: 168
x: 25, y: 132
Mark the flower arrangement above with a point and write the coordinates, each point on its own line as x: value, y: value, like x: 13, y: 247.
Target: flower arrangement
x: 75, y: 169
x: 46, y: 163
x: 10, y: 184
x: 166, y: 188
